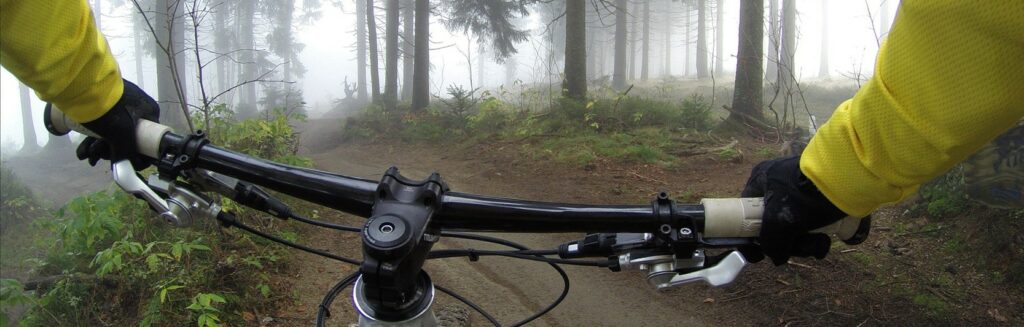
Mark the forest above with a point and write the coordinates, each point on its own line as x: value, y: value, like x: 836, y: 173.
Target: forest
x: 577, y: 101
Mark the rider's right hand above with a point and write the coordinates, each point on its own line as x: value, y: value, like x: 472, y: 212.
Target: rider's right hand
x: 793, y: 207
x: 116, y: 129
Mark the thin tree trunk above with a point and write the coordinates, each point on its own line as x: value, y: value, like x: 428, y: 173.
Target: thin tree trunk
x: 748, y: 98
x: 633, y: 39
x: 220, y: 45
x: 480, y: 61
x: 408, y: 46
x: 772, y: 72
x: 361, y: 50
x: 575, y: 84
x: 645, y: 65
x: 668, y: 39
x: 787, y: 53
x: 686, y: 39
x: 391, y: 61
x: 421, y: 71
x: 619, y: 69
x: 170, y: 25
x: 719, y: 36
x: 371, y: 27
x: 27, y: 126
x: 247, y: 65
x: 823, y: 66
x: 137, y: 35
x: 702, y: 40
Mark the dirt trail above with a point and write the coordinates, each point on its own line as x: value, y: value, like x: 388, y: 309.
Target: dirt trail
x: 513, y: 289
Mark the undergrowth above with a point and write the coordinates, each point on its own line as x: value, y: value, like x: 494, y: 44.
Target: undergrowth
x: 107, y: 260
x: 626, y: 128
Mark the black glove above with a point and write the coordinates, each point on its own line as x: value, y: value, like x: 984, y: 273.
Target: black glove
x: 117, y: 129
x: 793, y: 207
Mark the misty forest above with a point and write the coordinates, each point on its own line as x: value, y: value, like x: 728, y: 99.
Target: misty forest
x: 577, y: 101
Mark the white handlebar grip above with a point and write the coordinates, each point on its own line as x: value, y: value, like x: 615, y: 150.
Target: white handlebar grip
x: 741, y: 217
x: 147, y: 134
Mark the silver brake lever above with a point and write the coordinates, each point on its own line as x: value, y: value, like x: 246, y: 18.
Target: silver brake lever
x: 124, y: 176
x: 720, y: 274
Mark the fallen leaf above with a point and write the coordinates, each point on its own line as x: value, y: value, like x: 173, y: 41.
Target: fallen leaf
x: 994, y: 313
x: 248, y: 316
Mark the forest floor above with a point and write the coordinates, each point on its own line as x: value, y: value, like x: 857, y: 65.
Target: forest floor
x: 912, y: 271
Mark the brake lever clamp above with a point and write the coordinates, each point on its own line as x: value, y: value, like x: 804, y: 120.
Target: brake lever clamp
x: 187, y: 204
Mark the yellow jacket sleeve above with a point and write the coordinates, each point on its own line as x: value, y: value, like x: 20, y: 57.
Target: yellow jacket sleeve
x: 54, y: 47
x: 948, y: 80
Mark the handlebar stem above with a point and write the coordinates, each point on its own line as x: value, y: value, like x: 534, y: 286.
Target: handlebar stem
x: 396, y: 240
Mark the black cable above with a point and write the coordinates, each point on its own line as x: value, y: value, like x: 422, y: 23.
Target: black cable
x: 324, y: 224
x: 438, y: 254
x: 523, y: 253
x: 524, y: 249
x: 273, y: 238
x: 324, y: 310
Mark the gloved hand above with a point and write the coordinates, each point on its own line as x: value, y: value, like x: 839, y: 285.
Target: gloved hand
x: 117, y: 129
x: 793, y: 207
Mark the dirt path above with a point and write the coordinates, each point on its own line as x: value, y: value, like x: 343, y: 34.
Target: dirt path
x: 510, y: 289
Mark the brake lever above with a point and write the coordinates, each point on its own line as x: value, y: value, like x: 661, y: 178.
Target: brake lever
x: 125, y: 176
x: 663, y: 271
x: 723, y: 272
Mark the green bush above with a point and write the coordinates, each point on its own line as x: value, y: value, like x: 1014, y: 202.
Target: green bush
x: 114, y: 262
x: 945, y: 195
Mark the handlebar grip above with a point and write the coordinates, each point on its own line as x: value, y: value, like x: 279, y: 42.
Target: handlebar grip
x: 147, y: 134
x: 741, y: 217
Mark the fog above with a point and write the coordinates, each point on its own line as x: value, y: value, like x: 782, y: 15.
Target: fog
x: 324, y: 43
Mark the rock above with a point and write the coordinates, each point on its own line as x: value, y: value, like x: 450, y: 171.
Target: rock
x: 452, y: 316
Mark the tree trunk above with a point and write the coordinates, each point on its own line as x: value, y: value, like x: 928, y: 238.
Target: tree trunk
x: 27, y: 126
x: 668, y: 39
x: 748, y: 98
x: 633, y: 40
x: 371, y: 27
x: 480, y: 61
x: 686, y: 39
x: 591, y: 39
x: 408, y: 47
x: 772, y: 72
x: 575, y: 84
x: 391, y: 61
x: 823, y: 63
x: 619, y: 69
x: 787, y: 53
x: 170, y: 26
x: 138, y: 32
x: 510, y: 71
x: 246, y: 10
x: 421, y: 71
x: 702, y: 40
x: 645, y: 56
x: 719, y: 36
x: 220, y: 45
x: 361, y: 50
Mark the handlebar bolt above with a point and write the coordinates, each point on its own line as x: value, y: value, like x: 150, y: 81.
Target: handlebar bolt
x: 183, y: 158
x: 387, y: 228
x: 665, y: 229
x: 685, y: 231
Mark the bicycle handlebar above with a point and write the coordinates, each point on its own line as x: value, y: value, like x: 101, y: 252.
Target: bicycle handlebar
x: 406, y: 217
x: 722, y: 218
